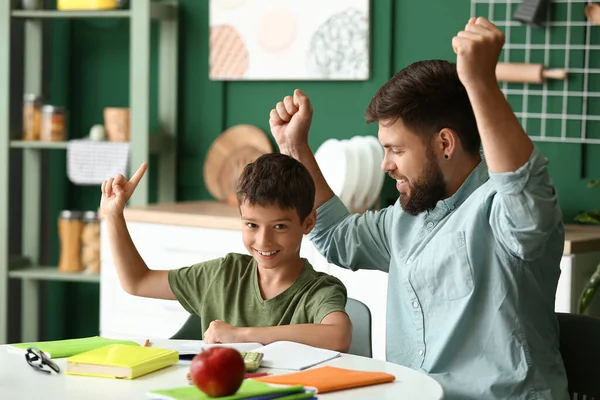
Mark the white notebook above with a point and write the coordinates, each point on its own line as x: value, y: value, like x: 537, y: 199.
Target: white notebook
x: 278, y: 355
x: 294, y: 356
x: 193, y: 347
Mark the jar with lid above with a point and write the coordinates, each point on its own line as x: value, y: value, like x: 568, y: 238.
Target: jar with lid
x: 32, y: 104
x: 70, y: 227
x: 32, y: 4
x: 54, y: 124
x: 90, y: 243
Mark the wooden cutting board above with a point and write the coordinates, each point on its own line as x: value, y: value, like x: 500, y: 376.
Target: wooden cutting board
x: 232, y: 169
x: 222, y: 159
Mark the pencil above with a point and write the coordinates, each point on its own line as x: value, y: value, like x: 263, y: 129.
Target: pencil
x: 147, y: 343
x: 256, y: 374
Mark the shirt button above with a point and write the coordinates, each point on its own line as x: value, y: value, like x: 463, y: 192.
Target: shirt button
x: 421, y: 352
x: 415, y: 304
x: 408, y: 260
x: 430, y: 225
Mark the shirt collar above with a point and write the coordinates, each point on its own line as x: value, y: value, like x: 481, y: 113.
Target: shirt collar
x: 476, y: 178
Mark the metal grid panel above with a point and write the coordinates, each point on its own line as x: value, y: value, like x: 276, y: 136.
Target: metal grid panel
x: 554, y: 111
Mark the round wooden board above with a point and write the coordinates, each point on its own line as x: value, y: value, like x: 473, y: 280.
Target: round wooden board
x: 223, y: 150
x: 232, y: 169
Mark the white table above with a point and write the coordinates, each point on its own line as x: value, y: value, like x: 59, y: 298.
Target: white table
x: 20, y: 381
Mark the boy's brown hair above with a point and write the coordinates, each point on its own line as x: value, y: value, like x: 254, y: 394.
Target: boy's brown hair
x: 275, y: 179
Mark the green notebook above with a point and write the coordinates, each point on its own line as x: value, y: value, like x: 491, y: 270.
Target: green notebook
x: 249, y: 389
x: 69, y: 347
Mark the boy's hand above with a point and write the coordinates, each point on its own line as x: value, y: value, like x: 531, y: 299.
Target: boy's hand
x: 477, y: 49
x: 221, y: 332
x: 117, y: 191
x: 290, y: 121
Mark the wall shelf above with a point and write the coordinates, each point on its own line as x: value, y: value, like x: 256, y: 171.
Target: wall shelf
x: 157, y: 144
x: 143, y: 143
x: 22, y: 144
x: 158, y: 10
x: 37, y: 14
x: 52, y: 274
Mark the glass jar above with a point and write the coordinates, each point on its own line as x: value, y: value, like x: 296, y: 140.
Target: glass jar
x: 31, y: 4
x: 70, y: 227
x: 54, y: 124
x: 90, y: 243
x: 31, y: 116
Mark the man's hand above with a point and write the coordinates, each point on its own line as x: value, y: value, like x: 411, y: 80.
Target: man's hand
x: 117, y: 191
x: 477, y: 50
x: 290, y: 122
x: 221, y: 332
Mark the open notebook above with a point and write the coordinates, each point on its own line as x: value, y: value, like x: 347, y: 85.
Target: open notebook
x: 189, y: 348
x: 278, y: 355
x: 294, y: 356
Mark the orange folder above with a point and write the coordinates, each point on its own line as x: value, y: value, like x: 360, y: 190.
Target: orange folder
x: 330, y: 379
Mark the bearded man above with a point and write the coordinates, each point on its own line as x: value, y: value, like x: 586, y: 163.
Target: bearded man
x: 474, y: 243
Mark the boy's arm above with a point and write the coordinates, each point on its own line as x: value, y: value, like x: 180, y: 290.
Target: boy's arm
x: 135, y: 276
x: 333, y: 333
x: 133, y: 273
x: 325, y: 308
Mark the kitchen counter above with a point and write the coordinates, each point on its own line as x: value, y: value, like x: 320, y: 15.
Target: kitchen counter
x: 212, y: 214
x: 581, y: 239
x: 204, y: 214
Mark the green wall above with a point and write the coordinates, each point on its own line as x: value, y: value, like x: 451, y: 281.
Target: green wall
x: 90, y: 72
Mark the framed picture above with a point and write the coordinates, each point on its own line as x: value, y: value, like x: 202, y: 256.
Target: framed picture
x: 289, y: 40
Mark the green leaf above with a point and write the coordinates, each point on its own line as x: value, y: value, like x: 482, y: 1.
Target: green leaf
x: 594, y: 183
x: 589, y: 291
x: 588, y: 217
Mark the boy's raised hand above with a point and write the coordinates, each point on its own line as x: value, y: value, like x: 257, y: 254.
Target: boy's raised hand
x: 290, y: 121
x: 477, y: 49
x: 117, y: 191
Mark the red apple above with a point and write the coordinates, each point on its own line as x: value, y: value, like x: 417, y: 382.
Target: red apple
x: 218, y: 371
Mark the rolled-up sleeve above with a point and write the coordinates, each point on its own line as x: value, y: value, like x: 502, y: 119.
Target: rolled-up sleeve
x: 358, y: 241
x: 525, y: 208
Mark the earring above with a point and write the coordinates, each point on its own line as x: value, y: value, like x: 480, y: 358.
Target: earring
x: 446, y: 156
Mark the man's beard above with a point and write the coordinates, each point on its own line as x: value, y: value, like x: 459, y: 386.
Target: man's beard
x: 427, y: 190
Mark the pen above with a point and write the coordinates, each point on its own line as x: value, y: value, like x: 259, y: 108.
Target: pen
x: 247, y: 376
x: 256, y: 375
x: 147, y: 343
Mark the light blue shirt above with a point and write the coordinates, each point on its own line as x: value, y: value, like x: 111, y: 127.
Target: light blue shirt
x: 471, y: 283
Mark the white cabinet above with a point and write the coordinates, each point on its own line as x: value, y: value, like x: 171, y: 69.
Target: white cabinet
x: 161, y: 247
x: 576, y: 270
x: 169, y: 246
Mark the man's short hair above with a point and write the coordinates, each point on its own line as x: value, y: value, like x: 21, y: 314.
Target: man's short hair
x: 427, y: 96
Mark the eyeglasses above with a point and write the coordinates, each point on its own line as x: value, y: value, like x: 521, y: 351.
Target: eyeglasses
x: 37, y: 359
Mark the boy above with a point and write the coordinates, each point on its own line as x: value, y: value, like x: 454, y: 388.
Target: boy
x: 270, y: 295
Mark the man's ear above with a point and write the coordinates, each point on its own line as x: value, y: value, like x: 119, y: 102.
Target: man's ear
x: 447, y: 142
x: 310, y: 221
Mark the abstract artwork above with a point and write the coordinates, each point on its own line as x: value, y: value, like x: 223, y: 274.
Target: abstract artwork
x: 289, y: 40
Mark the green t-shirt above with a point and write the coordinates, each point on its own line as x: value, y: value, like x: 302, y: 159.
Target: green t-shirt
x: 227, y: 289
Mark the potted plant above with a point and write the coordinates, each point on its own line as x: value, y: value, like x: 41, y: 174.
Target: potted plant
x: 590, y: 218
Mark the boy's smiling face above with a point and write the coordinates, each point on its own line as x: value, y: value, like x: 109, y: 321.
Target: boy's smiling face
x: 273, y: 236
